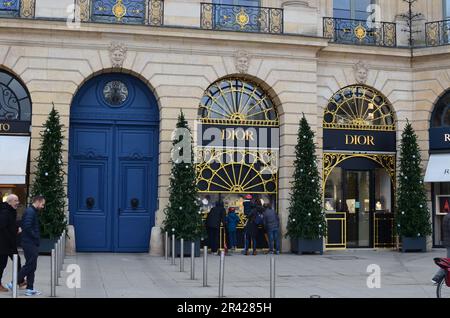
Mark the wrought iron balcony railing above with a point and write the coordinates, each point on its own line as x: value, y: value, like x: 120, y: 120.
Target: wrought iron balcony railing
x: 10, y: 8
x: 437, y: 33
x: 359, y: 32
x: 241, y: 18
x: 149, y: 12
x: 17, y: 8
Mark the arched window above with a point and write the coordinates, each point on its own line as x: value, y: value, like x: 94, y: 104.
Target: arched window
x: 359, y: 107
x: 441, y: 113
x: 235, y: 101
x: 237, y: 108
x: 15, y: 103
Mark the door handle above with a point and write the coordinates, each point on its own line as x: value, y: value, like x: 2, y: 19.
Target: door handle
x: 90, y: 202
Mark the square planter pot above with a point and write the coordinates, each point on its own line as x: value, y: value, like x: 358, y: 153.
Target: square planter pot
x: 187, y: 248
x: 46, y: 246
x: 417, y: 244
x: 300, y: 246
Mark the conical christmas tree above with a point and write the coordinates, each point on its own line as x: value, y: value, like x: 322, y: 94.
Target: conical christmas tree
x: 306, y: 217
x: 183, y: 215
x: 49, y: 180
x: 413, y: 216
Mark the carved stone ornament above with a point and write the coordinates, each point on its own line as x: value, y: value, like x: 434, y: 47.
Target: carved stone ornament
x: 242, y: 61
x: 361, y: 72
x: 118, y: 53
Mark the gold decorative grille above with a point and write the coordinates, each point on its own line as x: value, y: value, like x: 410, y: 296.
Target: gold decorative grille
x: 237, y: 102
x: 332, y: 160
x: 359, y: 107
x: 237, y: 171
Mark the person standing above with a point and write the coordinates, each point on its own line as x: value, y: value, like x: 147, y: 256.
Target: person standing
x: 8, y: 234
x: 272, y: 224
x: 30, y: 243
x: 232, y: 221
x: 446, y: 243
x: 215, y: 218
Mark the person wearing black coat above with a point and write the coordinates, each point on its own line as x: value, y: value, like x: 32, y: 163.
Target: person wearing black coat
x: 30, y: 243
x: 251, y: 227
x: 215, y: 218
x: 8, y: 234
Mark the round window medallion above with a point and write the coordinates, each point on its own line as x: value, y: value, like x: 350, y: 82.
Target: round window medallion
x: 115, y: 93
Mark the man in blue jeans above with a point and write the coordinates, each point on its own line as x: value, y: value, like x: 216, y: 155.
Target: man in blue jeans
x: 272, y: 224
x: 30, y: 244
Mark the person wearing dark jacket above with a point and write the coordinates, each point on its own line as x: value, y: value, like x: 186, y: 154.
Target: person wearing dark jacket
x: 30, y: 243
x: 215, y: 218
x: 8, y: 233
x: 251, y: 227
x: 271, y: 225
x: 440, y: 275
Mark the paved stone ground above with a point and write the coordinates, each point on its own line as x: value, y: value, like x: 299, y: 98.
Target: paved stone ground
x: 333, y: 275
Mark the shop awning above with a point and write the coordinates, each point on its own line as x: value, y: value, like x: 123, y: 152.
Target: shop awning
x: 13, y: 159
x: 438, y: 169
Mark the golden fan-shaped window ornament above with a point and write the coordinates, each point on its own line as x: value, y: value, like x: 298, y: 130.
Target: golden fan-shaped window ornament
x: 237, y: 102
x: 359, y: 107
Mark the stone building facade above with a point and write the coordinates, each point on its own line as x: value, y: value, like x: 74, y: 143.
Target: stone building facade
x: 178, y: 54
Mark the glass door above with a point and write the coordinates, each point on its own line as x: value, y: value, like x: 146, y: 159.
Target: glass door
x: 357, y: 202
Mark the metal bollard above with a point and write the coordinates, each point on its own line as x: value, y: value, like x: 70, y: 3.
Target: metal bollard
x: 166, y: 246
x: 59, y: 258
x: 14, y: 278
x: 205, y: 266
x: 272, y: 277
x: 173, y: 249
x: 53, y: 274
x: 64, y: 245
x: 181, y: 255
x: 192, y: 260
x: 61, y: 252
x: 56, y: 264
x: 221, y: 273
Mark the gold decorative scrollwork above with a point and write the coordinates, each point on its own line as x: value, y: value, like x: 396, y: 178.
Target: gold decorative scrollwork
x: 359, y: 107
x: 156, y: 13
x: 328, y: 29
x: 332, y: 160
x: 390, y: 34
x: 276, y: 21
x: 84, y: 10
x: 207, y: 16
x: 242, y: 18
x: 27, y: 8
x: 119, y: 10
x: 237, y: 171
x: 235, y: 101
x: 360, y: 32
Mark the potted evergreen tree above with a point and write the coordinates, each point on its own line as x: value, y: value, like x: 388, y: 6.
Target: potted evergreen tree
x: 306, y: 224
x: 183, y: 216
x: 413, y: 216
x: 49, y: 182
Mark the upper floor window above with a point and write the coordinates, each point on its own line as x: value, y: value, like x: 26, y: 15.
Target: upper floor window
x: 359, y: 107
x: 15, y: 103
x: 351, y: 9
x: 446, y: 9
x: 441, y: 113
x: 253, y: 3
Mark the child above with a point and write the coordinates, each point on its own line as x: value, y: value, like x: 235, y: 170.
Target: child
x: 232, y: 222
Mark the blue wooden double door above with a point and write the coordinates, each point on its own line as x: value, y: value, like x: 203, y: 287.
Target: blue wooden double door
x: 113, y: 164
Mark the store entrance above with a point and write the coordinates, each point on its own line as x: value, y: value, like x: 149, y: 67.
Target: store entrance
x: 358, y: 205
x: 361, y: 192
